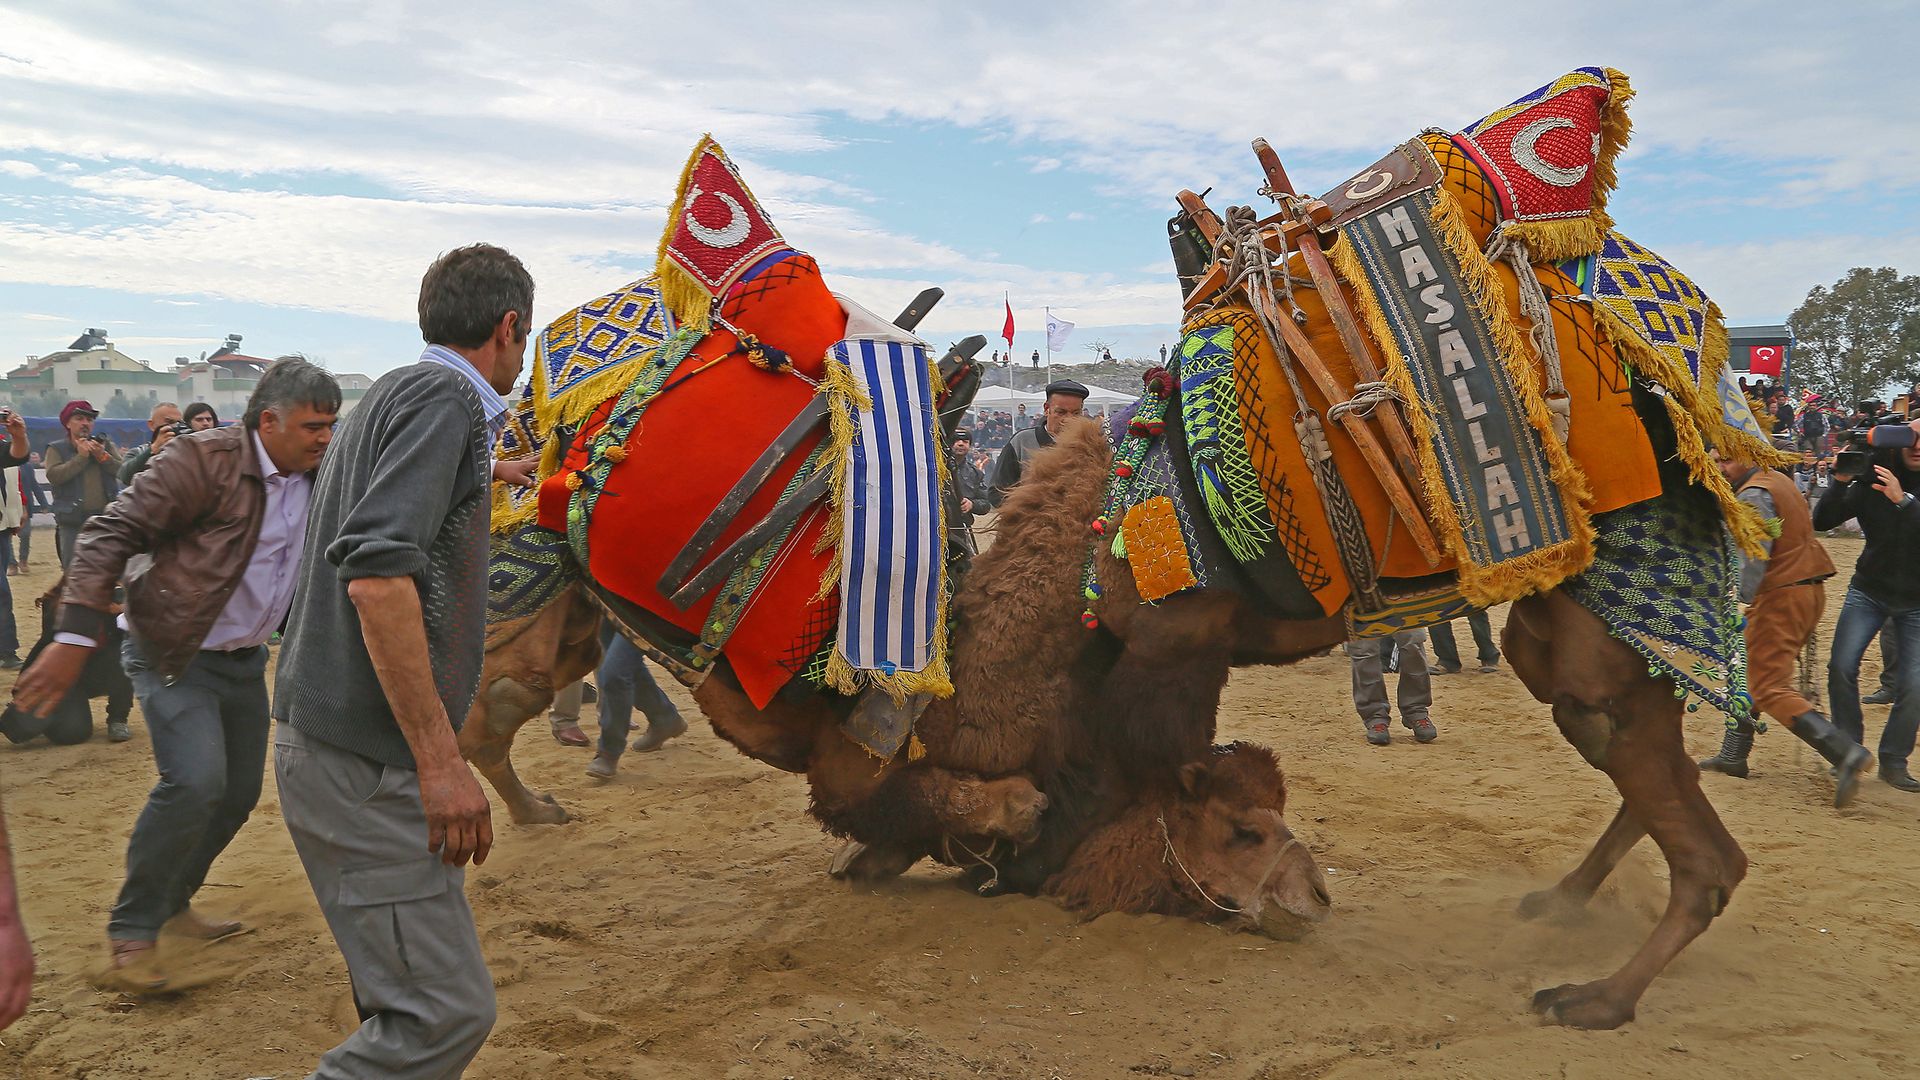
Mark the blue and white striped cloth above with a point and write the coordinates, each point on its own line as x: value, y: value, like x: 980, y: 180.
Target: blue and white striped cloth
x: 891, y: 541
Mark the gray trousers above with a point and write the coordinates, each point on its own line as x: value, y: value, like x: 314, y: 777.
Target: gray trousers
x: 1368, y: 658
x: 209, y: 729
x: 398, y: 913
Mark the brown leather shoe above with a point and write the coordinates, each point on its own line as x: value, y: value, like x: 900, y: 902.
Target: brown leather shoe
x: 130, y: 968
x: 191, y: 924
x: 568, y: 733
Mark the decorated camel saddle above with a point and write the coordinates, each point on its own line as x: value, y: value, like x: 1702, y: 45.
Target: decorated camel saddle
x: 738, y: 463
x: 1446, y: 384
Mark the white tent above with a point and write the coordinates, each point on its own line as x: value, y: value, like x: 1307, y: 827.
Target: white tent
x: 1004, y: 397
x: 1100, y: 395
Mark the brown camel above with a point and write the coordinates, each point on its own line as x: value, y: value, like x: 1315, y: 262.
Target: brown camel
x: 1162, y: 691
x: 1012, y: 784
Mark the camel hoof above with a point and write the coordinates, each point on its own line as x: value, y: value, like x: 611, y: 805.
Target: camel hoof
x: 1551, y: 904
x: 863, y: 863
x: 1590, y: 1006
x: 540, y: 810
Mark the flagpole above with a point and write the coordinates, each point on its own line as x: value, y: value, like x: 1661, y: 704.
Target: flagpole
x: 1047, y: 328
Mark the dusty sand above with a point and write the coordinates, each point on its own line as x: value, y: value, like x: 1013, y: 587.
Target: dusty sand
x: 683, y: 926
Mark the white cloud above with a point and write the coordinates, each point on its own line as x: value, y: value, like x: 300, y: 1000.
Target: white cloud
x: 37, y: 316
x: 563, y: 139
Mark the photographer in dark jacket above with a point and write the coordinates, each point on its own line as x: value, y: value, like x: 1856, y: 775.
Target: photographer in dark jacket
x: 84, y: 472
x: 1885, y: 586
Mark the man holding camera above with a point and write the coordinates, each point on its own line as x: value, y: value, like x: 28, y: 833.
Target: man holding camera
x: 217, y: 527
x: 1877, y: 489
x: 84, y: 472
x: 164, y: 424
x: 1785, y: 594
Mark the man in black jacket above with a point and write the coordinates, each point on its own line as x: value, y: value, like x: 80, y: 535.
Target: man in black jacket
x: 1885, y: 586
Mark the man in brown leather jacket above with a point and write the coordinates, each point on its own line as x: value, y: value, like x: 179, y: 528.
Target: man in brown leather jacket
x: 209, y: 540
x: 1785, y: 595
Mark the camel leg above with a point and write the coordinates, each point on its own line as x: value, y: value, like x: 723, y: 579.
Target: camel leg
x: 1572, y: 892
x: 486, y: 740
x: 899, y: 812
x: 1629, y: 726
x: 1161, y: 698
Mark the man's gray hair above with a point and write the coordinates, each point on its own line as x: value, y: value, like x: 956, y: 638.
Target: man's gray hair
x: 291, y: 381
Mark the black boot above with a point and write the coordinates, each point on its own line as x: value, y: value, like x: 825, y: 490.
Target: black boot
x: 1847, y: 757
x: 1732, y: 758
x: 1897, y: 776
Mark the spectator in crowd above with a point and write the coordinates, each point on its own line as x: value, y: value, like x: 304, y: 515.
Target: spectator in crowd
x: 382, y: 657
x: 16, y: 952
x: 971, y: 484
x: 1885, y: 586
x: 624, y: 682
x: 33, y: 498
x: 84, y: 471
x: 1782, y: 411
x: 1785, y: 594
x: 223, y: 525
x: 12, y: 512
x: 162, y: 425
x: 1035, y: 362
x: 200, y: 416
x: 1446, y: 652
x: 1065, y: 400
x: 1368, y: 659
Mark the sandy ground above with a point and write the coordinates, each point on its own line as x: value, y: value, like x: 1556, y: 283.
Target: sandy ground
x: 683, y: 926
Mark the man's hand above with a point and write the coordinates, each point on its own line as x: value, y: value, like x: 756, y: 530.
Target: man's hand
x: 45, y: 684
x: 97, y: 448
x: 459, y: 818
x: 1888, y: 484
x: 17, y: 435
x: 161, y: 438
x: 966, y: 506
x: 516, y: 473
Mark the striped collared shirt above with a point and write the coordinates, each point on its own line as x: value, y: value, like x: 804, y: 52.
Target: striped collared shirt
x: 491, y: 402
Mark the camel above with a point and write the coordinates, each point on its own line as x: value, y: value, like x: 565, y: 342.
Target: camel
x: 1015, y: 786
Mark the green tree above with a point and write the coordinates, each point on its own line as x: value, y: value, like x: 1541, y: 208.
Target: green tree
x: 1856, y: 338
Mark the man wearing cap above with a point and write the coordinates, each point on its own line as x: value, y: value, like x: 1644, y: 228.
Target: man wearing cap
x: 1065, y: 399
x: 971, y: 485
x: 84, y: 472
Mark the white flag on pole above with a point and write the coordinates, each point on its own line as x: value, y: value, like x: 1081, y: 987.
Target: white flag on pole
x: 1058, y: 330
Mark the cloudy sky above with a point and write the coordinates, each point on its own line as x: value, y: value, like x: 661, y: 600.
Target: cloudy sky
x: 175, y: 172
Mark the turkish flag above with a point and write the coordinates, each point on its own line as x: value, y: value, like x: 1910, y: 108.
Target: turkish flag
x: 1007, y: 330
x: 1766, y: 359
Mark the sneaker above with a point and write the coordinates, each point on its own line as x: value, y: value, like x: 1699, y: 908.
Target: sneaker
x: 118, y: 731
x: 1377, y: 733
x: 9, y: 662
x: 1489, y: 668
x: 1423, y: 729
x: 603, y: 766
x: 1882, y: 696
x: 1449, y: 669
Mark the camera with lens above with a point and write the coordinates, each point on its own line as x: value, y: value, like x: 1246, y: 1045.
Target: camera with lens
x: 1859, y: 445
x: 179, y: 427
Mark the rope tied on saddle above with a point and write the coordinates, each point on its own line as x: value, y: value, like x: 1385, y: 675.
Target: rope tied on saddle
x: 1367, y: 396
x: 1534, y: 304
x: 1252, y: 271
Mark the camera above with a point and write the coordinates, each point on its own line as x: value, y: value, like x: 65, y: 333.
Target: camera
x: 1859, y: 445
x: 179, y: 427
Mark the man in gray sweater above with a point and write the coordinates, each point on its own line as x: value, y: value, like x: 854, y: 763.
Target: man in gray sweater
x: 381, y: 663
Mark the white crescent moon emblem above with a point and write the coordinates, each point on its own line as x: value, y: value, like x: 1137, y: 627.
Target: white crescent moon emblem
x: 1382, y: 180
x: 1529, y: 158
x: 732, y: 234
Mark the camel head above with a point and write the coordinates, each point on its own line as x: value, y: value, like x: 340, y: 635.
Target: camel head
x: 1229, y: 850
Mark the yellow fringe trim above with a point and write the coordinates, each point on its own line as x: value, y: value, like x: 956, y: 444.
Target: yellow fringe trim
x: 1699, y: 423
x: 1551, y: 241
x: 685, y: 296
x: 845, y: 396
x: 1535, y: 571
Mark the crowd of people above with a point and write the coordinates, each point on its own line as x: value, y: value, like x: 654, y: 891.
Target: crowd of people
x: 185, y: 558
